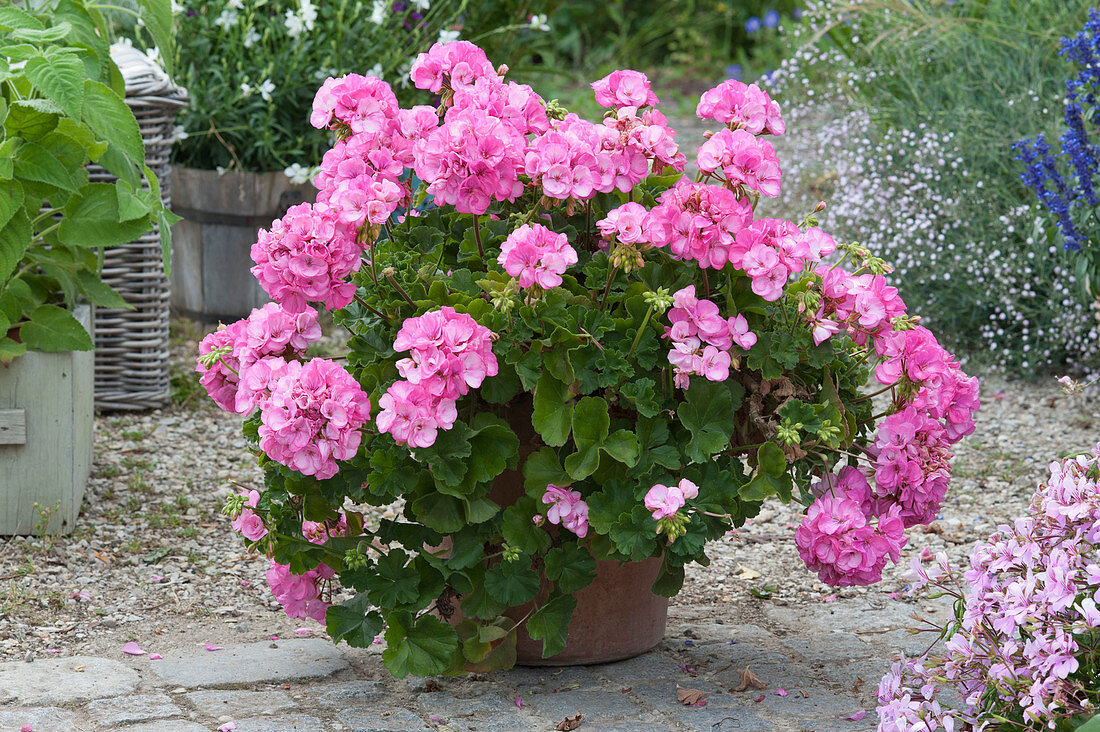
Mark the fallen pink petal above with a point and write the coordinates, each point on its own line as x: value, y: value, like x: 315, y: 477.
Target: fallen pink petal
x: 155, y: 657
x: 228, y: 727
x: 780, y: 692
x: 156, y: 578
x: 377, y: 639
x: 245, y: 583
x: 519, y: 702
x: 437, y: 720
x: 27, y: 728
x: 133, y: 649
x: 303, y: 631
x: 856, y: 716
x: 211, y: 647
x: 81, y: 596
x: 274, y: 637
x: 52, y: 650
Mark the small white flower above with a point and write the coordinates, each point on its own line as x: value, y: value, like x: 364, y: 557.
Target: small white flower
x: 251, y: 38
x: 265, y: 89
x: 298, y: 173
x: 402, y: 73
x: 447, y: 36
x: 378, y: 12
x: 176, y: 8
x: 178, y: 133
x: 375, y: 70
x: 294, y: 24
x: 235, y: 4
x: 422, y: 4
x: 227, y: 19
x: 308, y: 14
x: 246, y: 89
x: 538, y: 22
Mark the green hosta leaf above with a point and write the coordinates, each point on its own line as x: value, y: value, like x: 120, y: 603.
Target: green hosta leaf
x: 542, y: 469
x: 707, y: 412
x: 518, y: 529
x: 553, y: 414
x: 92, y: 219
x: 34, y: 162
x: 10, y: 350
x: 157, y: 15
x: 12, y: 17
x: 590, y: 426
x: 109, y: 117
x: 771, y: 477
x: 353, y: 622
x: 512, y: 583
x: 51, y: 328
x: 550, y: 623
x: 59, y: 75
x: 571, y: 566
x: 393, y: 582
x: 421, y: 648
x: 16, y: 234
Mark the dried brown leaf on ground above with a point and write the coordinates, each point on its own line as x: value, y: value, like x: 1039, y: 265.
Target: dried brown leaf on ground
x: 748, y: 679
x: 570, y: 723
x: 691, y: 697
x: 431, y: 685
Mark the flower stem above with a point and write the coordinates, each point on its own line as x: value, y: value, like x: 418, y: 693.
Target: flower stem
x: 388, y: 273
x: 641, y: 329
x: 477, y: 236
x: 607, y: 287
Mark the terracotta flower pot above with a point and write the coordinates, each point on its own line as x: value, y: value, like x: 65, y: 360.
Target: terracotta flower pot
x: 617, y: 616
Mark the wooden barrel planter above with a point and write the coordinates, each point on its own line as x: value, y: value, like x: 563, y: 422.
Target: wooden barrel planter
x: 45, y: 438
x: 211, y: 246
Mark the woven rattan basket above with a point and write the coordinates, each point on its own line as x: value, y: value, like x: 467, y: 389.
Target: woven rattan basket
x: 131, y: 346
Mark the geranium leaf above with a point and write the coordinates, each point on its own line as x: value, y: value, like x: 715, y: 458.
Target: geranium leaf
x: 512, y: 583
x: 423, y: 648
x: 622, y: 445
x: 353, y: 622
x: 519, y: 531
x: 393, y: 582
x: 590, y: 426
x: 542, y: 469
x: 571, y: 566
x: 771, y: 475
x: 553, y: 413
x: 707, y: 412
x: 550, y: 623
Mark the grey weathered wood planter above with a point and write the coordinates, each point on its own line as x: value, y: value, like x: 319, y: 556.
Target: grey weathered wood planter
x: 211, y: 246
x: 45, y: 437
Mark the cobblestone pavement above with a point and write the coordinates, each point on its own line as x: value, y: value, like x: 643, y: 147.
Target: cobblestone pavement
x: 819, y: 665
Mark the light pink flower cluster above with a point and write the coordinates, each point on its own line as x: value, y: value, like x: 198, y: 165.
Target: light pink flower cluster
x: 743, y: 160
x: 624, y: 88
x: 517, y: 105
x: 364, y: 103
x: 449, y: 353
x: 474, y: 158
x: 648, y: 136
x: 301, y: 595
x: 665, y: 501
x: 945, y: 391
x: 240, y: 381
x: 741, y: 106
x: 912, y: 464
x: 698, y: 221
x: 627, y: 224
x: 566, y: 508
x: 306, y: 257
x: 702, y: 338
x: 313, y: 417
x: 1030, y: 606
x: 451, y: 65
x: 863, y: 305
x: 577, y: 159
x: 536, y: 256
x: 771, y: 250
x: 838, y: 542
x: 248, y: 523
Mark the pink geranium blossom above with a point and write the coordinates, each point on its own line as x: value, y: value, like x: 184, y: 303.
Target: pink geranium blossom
x: 566, y: 508
x: 536, y: 256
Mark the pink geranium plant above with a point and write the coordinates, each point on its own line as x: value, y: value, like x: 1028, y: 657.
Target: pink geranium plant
x: 563, y: 348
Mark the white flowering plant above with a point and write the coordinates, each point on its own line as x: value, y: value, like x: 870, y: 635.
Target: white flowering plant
x: 251, y: 67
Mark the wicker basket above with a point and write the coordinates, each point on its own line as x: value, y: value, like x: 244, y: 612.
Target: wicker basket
x: 131, y: 356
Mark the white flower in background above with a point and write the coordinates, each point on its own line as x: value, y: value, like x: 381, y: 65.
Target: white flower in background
x: 447, y: 36
x: 303, y: 20
x: 178, y: 133
x: 153, y: 54
x: 539, y: 23
x: 251, y: 38
x: 378, y: 12
x: 299, y: 173
x: 235, y: 4
x: 227, y: 19
x: 402, y: 73
x: 375, y: 70
x: 294, y: 24
x: 308, y: 14
x: 246, y: 89
x: 176, y: 8
x: 422, y: 4
x: 265, y: 88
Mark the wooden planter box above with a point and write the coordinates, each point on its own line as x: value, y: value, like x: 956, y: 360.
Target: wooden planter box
x: 211, y: 246
x: 45, y: 437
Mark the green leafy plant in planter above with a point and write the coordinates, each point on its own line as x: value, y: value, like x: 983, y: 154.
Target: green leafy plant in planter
x: 577, y: 358
x: 62, y: 107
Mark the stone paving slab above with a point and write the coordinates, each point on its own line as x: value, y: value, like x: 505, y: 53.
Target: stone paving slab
x: 53, y: 681
x: 298, y: 723
x: 252, y: 663
x: 166, y: 725
x: 218, y: 703
x: 42, y: 719
x: 136, y: 708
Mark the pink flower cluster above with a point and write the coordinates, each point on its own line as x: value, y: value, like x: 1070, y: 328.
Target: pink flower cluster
x: 665, y: 501
x: 839, y: 543
x: 313, y: 417
x: 1031, y: 597
x: 577, y: 159
x: 517, y: 105
x: 624, y: 88
x: 702, y: 338
x: 771, y: 250
x: 698, y: 221
x: 301, y: 595
x: 743, y: 160
x: 741, y: 106
x: 364, y: 103
x: 451, y: 65
x: 449, y: 353
x: 566, y: 508
x: 240, y: 380
x: 863, y: 305
x: 912, y: 464
x: 248, y: 523
x: 536, y: 256
x: 306, y: 257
